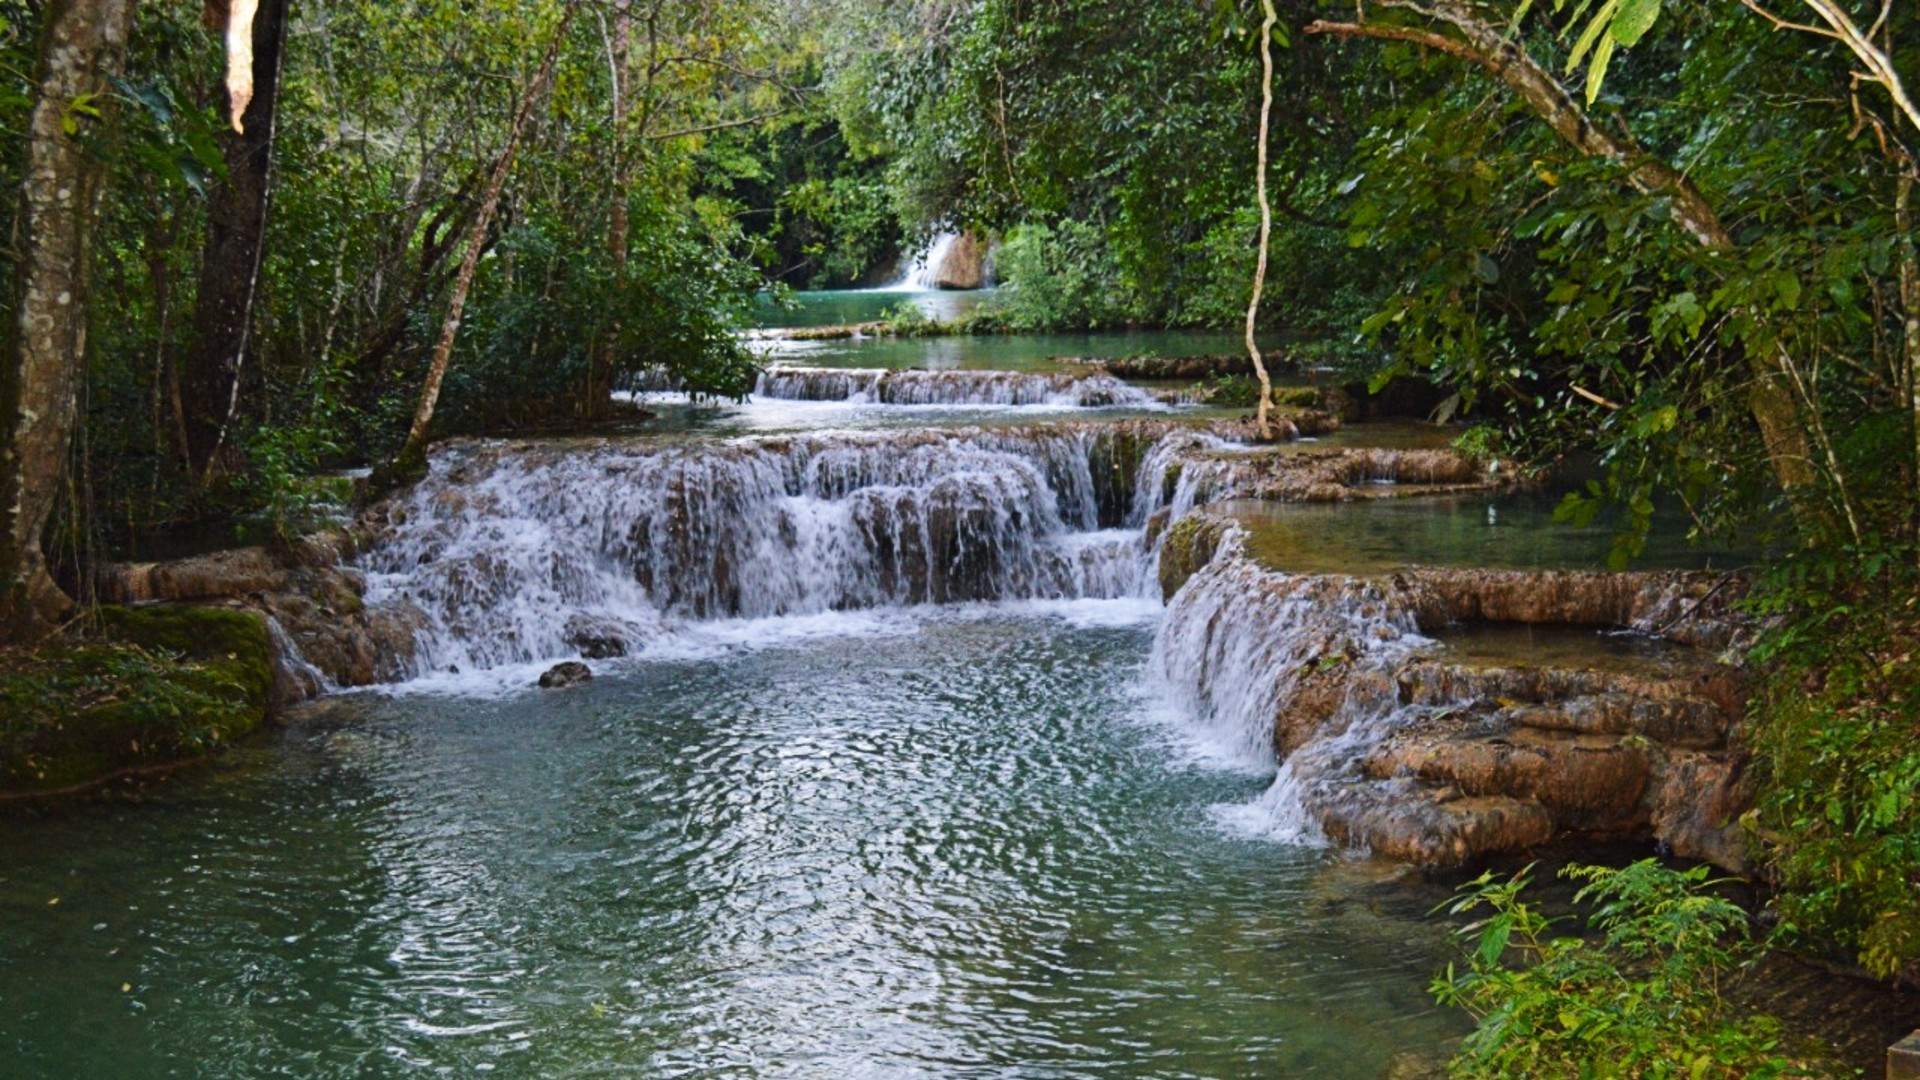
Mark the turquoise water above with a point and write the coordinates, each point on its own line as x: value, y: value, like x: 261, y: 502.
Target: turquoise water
x: 1508, y: 530
x: 957, y: 846
x: 842, y: 307
x: 1001, y: 352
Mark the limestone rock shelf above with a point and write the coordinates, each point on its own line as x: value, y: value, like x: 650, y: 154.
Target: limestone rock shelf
x: 1444, y: 715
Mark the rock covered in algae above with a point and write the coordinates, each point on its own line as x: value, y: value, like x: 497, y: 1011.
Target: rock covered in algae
x: 564, y: 674
x: 156, y: 685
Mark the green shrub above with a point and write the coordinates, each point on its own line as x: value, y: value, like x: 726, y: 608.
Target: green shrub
x: 1835, y: 729
x: 157, y: 684
x: 1059, y: 277
x: 908, y: 319
x: 1642, y: 999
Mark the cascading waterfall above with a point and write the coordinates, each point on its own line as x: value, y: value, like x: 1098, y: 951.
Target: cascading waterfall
x: 887, y: 387
x: 521, y: 553
x: 511, y: 553
x: 1176, y: 475
x: 1256, y: 657
x: 923, y: 275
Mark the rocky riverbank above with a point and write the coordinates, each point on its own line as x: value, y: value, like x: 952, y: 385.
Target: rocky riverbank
x: 1398, y: 734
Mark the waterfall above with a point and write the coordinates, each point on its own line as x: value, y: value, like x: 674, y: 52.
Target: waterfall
x: 1285, y: 672
x: 922, y: 275
x: 521, y: 552
x: 886, y: 387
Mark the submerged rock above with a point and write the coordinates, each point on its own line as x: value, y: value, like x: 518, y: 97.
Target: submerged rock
x: 565, y: 674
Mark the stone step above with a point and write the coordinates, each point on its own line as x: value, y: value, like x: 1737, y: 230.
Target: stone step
x: 1431, y: 826
x: 1583, y: 781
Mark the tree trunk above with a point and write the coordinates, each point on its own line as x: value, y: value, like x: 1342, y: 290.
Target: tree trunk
x: 236, y: 240
x: 412, y: 456
x: 83, y: 42
x: 1261, y: 426
x: 1769, y: 397
x: 601, y: 368
x: 1909, y: 308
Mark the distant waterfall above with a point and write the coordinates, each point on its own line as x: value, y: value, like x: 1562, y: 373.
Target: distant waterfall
x: 925, y: 270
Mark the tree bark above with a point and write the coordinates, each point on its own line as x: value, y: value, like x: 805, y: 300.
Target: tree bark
x: 1260, y: 424
x: 83, y: 42
x: 412, y: 456
x: 1769, y: 397
x: 230, y: 263
x: 1909, y: 305
x: 600, y: 372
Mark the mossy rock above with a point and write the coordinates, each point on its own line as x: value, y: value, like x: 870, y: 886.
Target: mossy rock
x: 156, y: 686
x: 1189, y: 546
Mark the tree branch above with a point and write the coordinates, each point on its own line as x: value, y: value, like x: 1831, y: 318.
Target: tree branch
x: 1432, y: 40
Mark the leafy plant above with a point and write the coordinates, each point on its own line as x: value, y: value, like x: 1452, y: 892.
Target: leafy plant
x: 908, y: 319
x: 1833, y: 729
x: 281, y: 484
x: 1642, y: 999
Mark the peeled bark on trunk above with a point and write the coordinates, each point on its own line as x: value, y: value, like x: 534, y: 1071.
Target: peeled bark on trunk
x: 413, y: 455
x: 230, y: 264
x: 84, y: 41
x: 1769, y: 397
x: 1266, y: 220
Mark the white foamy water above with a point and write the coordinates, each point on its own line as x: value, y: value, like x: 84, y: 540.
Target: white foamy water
x: 519, y: 555
x: 1241, y: 649
x: 925, y: 269
x: 640, y: 552
x: 882, y: 386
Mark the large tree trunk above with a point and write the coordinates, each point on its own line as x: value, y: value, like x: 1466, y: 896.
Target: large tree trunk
x: 1769, y: 395
x: 236, y: 239
x: 84, y: 41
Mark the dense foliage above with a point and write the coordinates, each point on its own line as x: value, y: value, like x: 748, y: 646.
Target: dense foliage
x: 384, y: 130
x: 1644, y: 997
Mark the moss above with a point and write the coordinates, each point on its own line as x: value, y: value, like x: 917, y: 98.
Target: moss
x: 1114, y: 462
x: 1300, y: 397
x: 156, y: 685
x: 1189, y: 546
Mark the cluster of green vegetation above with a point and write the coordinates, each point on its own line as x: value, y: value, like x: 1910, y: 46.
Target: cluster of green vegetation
x: 270, y: 301
x: 1836, y: 734
x: 151, y: 686
x: 1643, y: 996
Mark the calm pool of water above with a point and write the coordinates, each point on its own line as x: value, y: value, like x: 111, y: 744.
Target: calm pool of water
x: 989, y: 352
x: 1505, y: 530
x: 968, y: 845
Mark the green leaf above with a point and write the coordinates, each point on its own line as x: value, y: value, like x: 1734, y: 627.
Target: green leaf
x: 1636, y: 17
x: 1590, y: 35
x: 1493, y: 943
x: 1597, y: 74
x: 1787, y: 287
